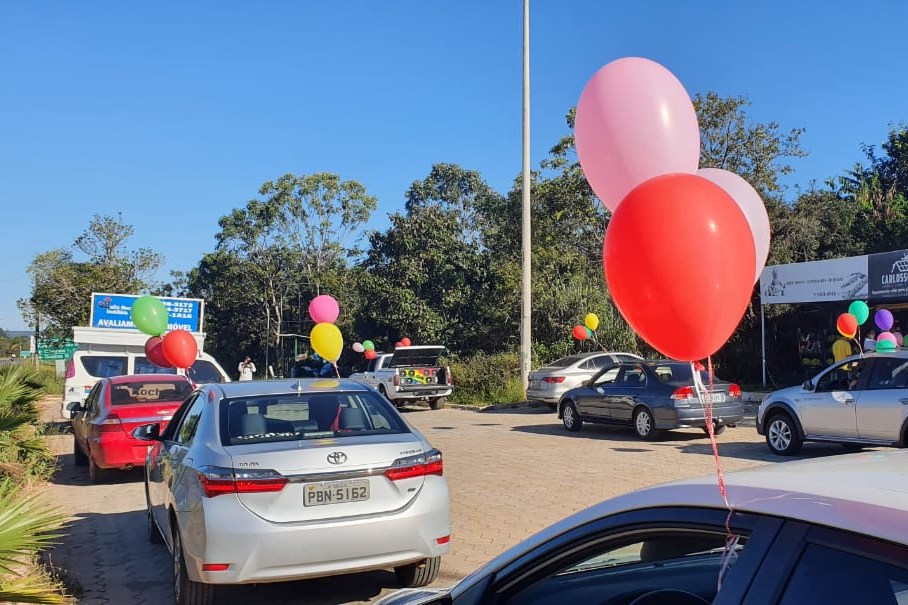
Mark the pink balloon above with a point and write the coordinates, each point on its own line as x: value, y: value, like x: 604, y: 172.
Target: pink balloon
x: 635, y: 121
x: 751, y: 205
x: 887, y: 336
x: 324, y: 309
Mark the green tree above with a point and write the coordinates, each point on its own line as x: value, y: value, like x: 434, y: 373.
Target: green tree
x: 62, y: 285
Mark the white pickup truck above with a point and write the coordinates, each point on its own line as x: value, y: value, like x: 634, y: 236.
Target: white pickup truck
x: 409, y: 374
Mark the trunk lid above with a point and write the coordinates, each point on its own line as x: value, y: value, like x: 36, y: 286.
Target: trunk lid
x: 135, y: 415
x: 329, y: 478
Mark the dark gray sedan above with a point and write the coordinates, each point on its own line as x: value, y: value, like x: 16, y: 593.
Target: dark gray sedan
x: 650, y: 396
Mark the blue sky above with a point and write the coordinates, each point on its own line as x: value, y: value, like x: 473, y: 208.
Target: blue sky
x: 174, y: 113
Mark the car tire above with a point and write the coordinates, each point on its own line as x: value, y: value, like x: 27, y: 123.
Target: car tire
x: 418, y: 574
x: 645, y: 424
x: 718, y: 430
x: 782, y: 436
x: 79, y: 457
x: 570, y: 418
x: 96, y: 474
x: 384, y: 393
x: 437, y: 403
x: 185, y: 591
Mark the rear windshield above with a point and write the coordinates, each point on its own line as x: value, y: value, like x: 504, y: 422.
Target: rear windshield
x: 167, y: 391
x: 293, y: 417
x: 99, y: 366
x: 567, y: 361
x: 678, y: 373
x: 201, y: 372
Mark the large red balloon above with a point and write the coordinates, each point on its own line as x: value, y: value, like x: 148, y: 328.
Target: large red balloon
x: 180, y: 348
x: 154, y: 351
x: 679, y: 261
x: 847, y: 324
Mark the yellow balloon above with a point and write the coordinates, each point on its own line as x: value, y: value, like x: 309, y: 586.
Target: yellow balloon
x: 591, y: 321
x: 327, y: 341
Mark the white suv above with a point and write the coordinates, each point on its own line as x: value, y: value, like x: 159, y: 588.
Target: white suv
x: 859, y: 401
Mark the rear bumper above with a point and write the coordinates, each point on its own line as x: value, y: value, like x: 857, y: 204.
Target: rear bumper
x: 260, y: 551
x: 121, y: 453
x: 545, y: 395
x: 421, y: 392
x: 695, y: 416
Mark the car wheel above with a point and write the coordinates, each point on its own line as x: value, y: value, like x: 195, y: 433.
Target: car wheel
x: 96, y: 474
x: 79, y: 456
x: 185, y: 591
x: 384, y: 393
x: 437, y: 403
x: 418, y: 574
x: 644, y: 425
x: 717, y: 430
x: 782, y: 435
x: 570, y: 417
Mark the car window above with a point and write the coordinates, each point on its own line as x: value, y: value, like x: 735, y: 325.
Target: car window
x: 145, y: 392
x: 292, y: 416
x: 100, y: 366
x: 631, y: 376
x: 607, y: 377
x: 144, y: 366
x: 91, y: 402
x: 828, y: 575
x: 565, y: 361
x: 888, y: 373
x: 633, y: 564
x: 204, y: 372
x: 843, y: 377
x: 602, y: 361
x: 589, y: 364
x: 190, y: 421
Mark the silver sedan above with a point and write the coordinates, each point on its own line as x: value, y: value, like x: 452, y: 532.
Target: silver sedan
x: 281, y: 480
x: 549, y: 383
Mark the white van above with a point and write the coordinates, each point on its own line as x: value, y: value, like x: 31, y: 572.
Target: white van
x: 103, y: 353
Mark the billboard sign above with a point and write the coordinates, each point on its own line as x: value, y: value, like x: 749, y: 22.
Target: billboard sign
x: 816, y: 281
x: 112, y: 311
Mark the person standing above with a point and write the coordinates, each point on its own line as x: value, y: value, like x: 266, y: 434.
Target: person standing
x: 246, y: 369
x: 870, y: 342
x: 841, y: 349
x: 897, y: 332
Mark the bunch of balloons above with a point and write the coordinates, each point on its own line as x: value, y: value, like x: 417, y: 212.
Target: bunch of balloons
x: 858, y: 314
x: 684, y: 246
x: 174, y: 349
x: 585, y: 331
x: 325, y: 337
x: 367, y: 347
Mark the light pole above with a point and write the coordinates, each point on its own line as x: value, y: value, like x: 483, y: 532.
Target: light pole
x: 526, y: 340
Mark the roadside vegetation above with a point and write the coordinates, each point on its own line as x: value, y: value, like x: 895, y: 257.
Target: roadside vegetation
x: 27, y: 524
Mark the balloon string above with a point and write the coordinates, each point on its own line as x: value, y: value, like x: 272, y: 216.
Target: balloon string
x: 336, y: 371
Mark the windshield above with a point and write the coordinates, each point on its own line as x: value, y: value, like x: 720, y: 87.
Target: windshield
x: 566, y: 361
x: 137, y: 392
x: 201, y: 371
x: 293, y: 417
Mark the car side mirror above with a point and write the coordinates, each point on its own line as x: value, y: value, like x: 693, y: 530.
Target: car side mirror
x: 147, y: 432
x: 807, y: 386
x: 75, y: 406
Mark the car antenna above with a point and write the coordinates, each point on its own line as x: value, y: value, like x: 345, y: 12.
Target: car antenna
x: 299, y: 388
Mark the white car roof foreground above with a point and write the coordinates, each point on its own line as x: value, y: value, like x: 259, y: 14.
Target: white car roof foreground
x: 252, y: 388
x: 865, y: 493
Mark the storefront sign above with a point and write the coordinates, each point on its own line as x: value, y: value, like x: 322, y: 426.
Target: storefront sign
x: 889, y: 275
x: 817, y: 281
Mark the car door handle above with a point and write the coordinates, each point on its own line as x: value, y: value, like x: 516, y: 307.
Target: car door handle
x: 849, y: 401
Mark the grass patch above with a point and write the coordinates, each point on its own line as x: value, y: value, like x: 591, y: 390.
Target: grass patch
x: 487, y: 379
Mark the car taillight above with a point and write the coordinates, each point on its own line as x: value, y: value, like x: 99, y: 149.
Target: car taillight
x: 397, y: 380
x: 448, y: 380
x: 553, y: 379
x: 111, y: 423
x: 217, y: 480
x: 420, y: 465
x: 734, y: 390
x: 70, y: 369
x: 683, y: 393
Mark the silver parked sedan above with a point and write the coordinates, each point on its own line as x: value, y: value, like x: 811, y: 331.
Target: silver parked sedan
x: 858, y: 401
x: 548, y: 383
x: 281, y: 480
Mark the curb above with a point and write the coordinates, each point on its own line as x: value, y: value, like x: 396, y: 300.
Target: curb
x: 491, y: 408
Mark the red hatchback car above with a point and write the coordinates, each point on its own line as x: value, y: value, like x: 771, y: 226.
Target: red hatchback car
x: 102, y: 426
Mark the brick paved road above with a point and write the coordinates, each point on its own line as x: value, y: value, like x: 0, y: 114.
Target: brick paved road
x: 511, y: 473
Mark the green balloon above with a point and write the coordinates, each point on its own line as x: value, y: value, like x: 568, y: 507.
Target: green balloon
x: 368, y: 345
x: 885, y: 346
x: 860, y: 310
x: 149, y: 315
x: 589, y: 333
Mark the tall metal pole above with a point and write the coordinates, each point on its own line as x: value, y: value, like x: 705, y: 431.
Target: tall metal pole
x: 763, y: 341
x: 526, y: 340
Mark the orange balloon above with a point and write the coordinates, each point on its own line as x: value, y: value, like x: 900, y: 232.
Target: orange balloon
x: 679, y: 262
x: 847, y: 324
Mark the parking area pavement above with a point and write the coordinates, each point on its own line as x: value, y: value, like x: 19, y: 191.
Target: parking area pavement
x: 511, y: 473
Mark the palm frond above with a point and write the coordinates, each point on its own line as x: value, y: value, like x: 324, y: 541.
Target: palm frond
x: 11, y: 420
x: 32, y: 589
x: 27, y: 525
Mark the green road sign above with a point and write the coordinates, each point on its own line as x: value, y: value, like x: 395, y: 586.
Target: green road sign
x: 55, y: 349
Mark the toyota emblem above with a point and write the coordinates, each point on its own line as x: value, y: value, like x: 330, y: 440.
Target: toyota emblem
x: 337, y: 457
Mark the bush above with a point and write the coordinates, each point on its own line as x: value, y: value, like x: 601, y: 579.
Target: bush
x: 23, y: 451
x: 485, y: 379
